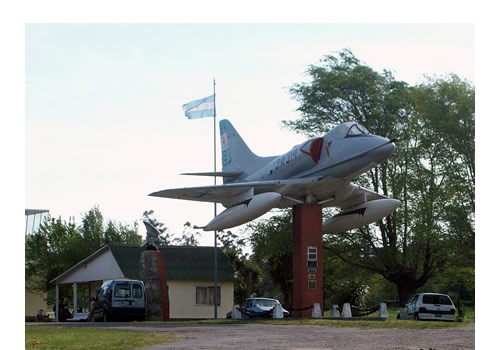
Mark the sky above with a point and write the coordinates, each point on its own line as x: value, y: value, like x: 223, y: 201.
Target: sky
x: 103, y: 119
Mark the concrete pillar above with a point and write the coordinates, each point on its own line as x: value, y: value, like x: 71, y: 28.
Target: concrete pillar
x: 307, y: 258
x: 316, y: 313
x: 57, y: 303
x: 346, y: 310
x: 236, y: 315
x: 277, y: 311
x: 335, y: 311
x: 75, y: 298
x: 382, y: 311
x: 90, y: 296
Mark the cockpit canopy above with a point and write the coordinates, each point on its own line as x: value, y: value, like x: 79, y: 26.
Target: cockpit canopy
x: 349, y: 129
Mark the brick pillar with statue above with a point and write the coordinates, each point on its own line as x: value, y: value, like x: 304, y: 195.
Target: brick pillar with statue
x: 152, y: 272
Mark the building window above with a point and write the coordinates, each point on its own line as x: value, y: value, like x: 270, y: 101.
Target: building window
x: 311, y: 281
x: 205, y: 296
x: 312, y: 257
x: 311, y: 285
x: 136, y: 291
x: 122, y: 290
x: 312, y: 253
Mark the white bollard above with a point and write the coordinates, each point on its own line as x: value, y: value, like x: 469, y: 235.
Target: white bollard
x: 335, y: 311
x: 382, y: 311
x: 346, y: 310
x: 316, y: 311
x: 236, y: 313
x: 278, y: 311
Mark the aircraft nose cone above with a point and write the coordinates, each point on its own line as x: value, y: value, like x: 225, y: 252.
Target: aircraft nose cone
x: 385, y: 151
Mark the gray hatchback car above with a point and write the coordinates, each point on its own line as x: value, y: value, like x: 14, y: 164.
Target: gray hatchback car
x: 428, y: 306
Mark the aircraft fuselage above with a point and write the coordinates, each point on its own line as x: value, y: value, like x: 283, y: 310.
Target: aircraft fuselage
x: 337, y: 154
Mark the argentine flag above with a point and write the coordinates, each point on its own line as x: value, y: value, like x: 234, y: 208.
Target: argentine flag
x: 202, y: 108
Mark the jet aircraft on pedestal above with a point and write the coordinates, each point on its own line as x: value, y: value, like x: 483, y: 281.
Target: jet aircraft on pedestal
x: 318, y: 171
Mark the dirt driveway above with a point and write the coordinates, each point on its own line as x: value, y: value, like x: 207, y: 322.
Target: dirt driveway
x: 248, y: 336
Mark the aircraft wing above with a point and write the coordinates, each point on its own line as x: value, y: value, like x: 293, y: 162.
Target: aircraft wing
x: 228, y: 194
x: 329, y: 192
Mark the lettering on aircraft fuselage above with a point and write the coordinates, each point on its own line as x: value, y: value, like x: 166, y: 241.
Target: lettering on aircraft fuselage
x: 286, y: 158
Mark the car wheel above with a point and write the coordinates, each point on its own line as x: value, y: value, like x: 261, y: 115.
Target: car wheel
x: 398, y: 317
x: 416, y: 317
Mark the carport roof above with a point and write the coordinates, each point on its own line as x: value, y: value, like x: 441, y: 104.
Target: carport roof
x: 35, y: 211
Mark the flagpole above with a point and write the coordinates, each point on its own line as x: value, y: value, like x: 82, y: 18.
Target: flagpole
x: 215, y: 214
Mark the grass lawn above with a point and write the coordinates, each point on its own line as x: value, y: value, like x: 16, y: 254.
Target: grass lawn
x: 44, y: 337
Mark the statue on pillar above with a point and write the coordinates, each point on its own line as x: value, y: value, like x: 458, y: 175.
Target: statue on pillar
x: 152, y: 237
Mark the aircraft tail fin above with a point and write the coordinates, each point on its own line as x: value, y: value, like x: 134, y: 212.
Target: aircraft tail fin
x: 236, y: 156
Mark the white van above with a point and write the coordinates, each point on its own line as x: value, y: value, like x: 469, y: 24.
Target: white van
x: 119, y: 300
x: 428, y: 306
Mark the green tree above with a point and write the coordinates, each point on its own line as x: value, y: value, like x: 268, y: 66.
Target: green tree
x: 119, y: 233
x: 54, y: 248
x: 446, y: 105
x: 248, y: 274
x: 344, y: 89
x: 433, y: 164
x: 271, y: 242
x: 95, y: 232
x: 343, y: 283
x: 188, y: 237
x: 92, y: 229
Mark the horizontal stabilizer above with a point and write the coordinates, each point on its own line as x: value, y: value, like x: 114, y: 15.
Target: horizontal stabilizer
x: 218, y: 173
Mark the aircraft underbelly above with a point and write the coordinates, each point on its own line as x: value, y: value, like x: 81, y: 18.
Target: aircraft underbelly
x: 327, y: 189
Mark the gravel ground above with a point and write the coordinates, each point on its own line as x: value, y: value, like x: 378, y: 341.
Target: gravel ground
x: 245, y: 336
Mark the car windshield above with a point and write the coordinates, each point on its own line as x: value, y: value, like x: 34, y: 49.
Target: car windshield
x: 436, y: 299
x: 265, y: 302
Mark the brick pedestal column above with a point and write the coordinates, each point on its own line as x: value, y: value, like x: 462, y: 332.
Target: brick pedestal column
x: 307, y: 258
